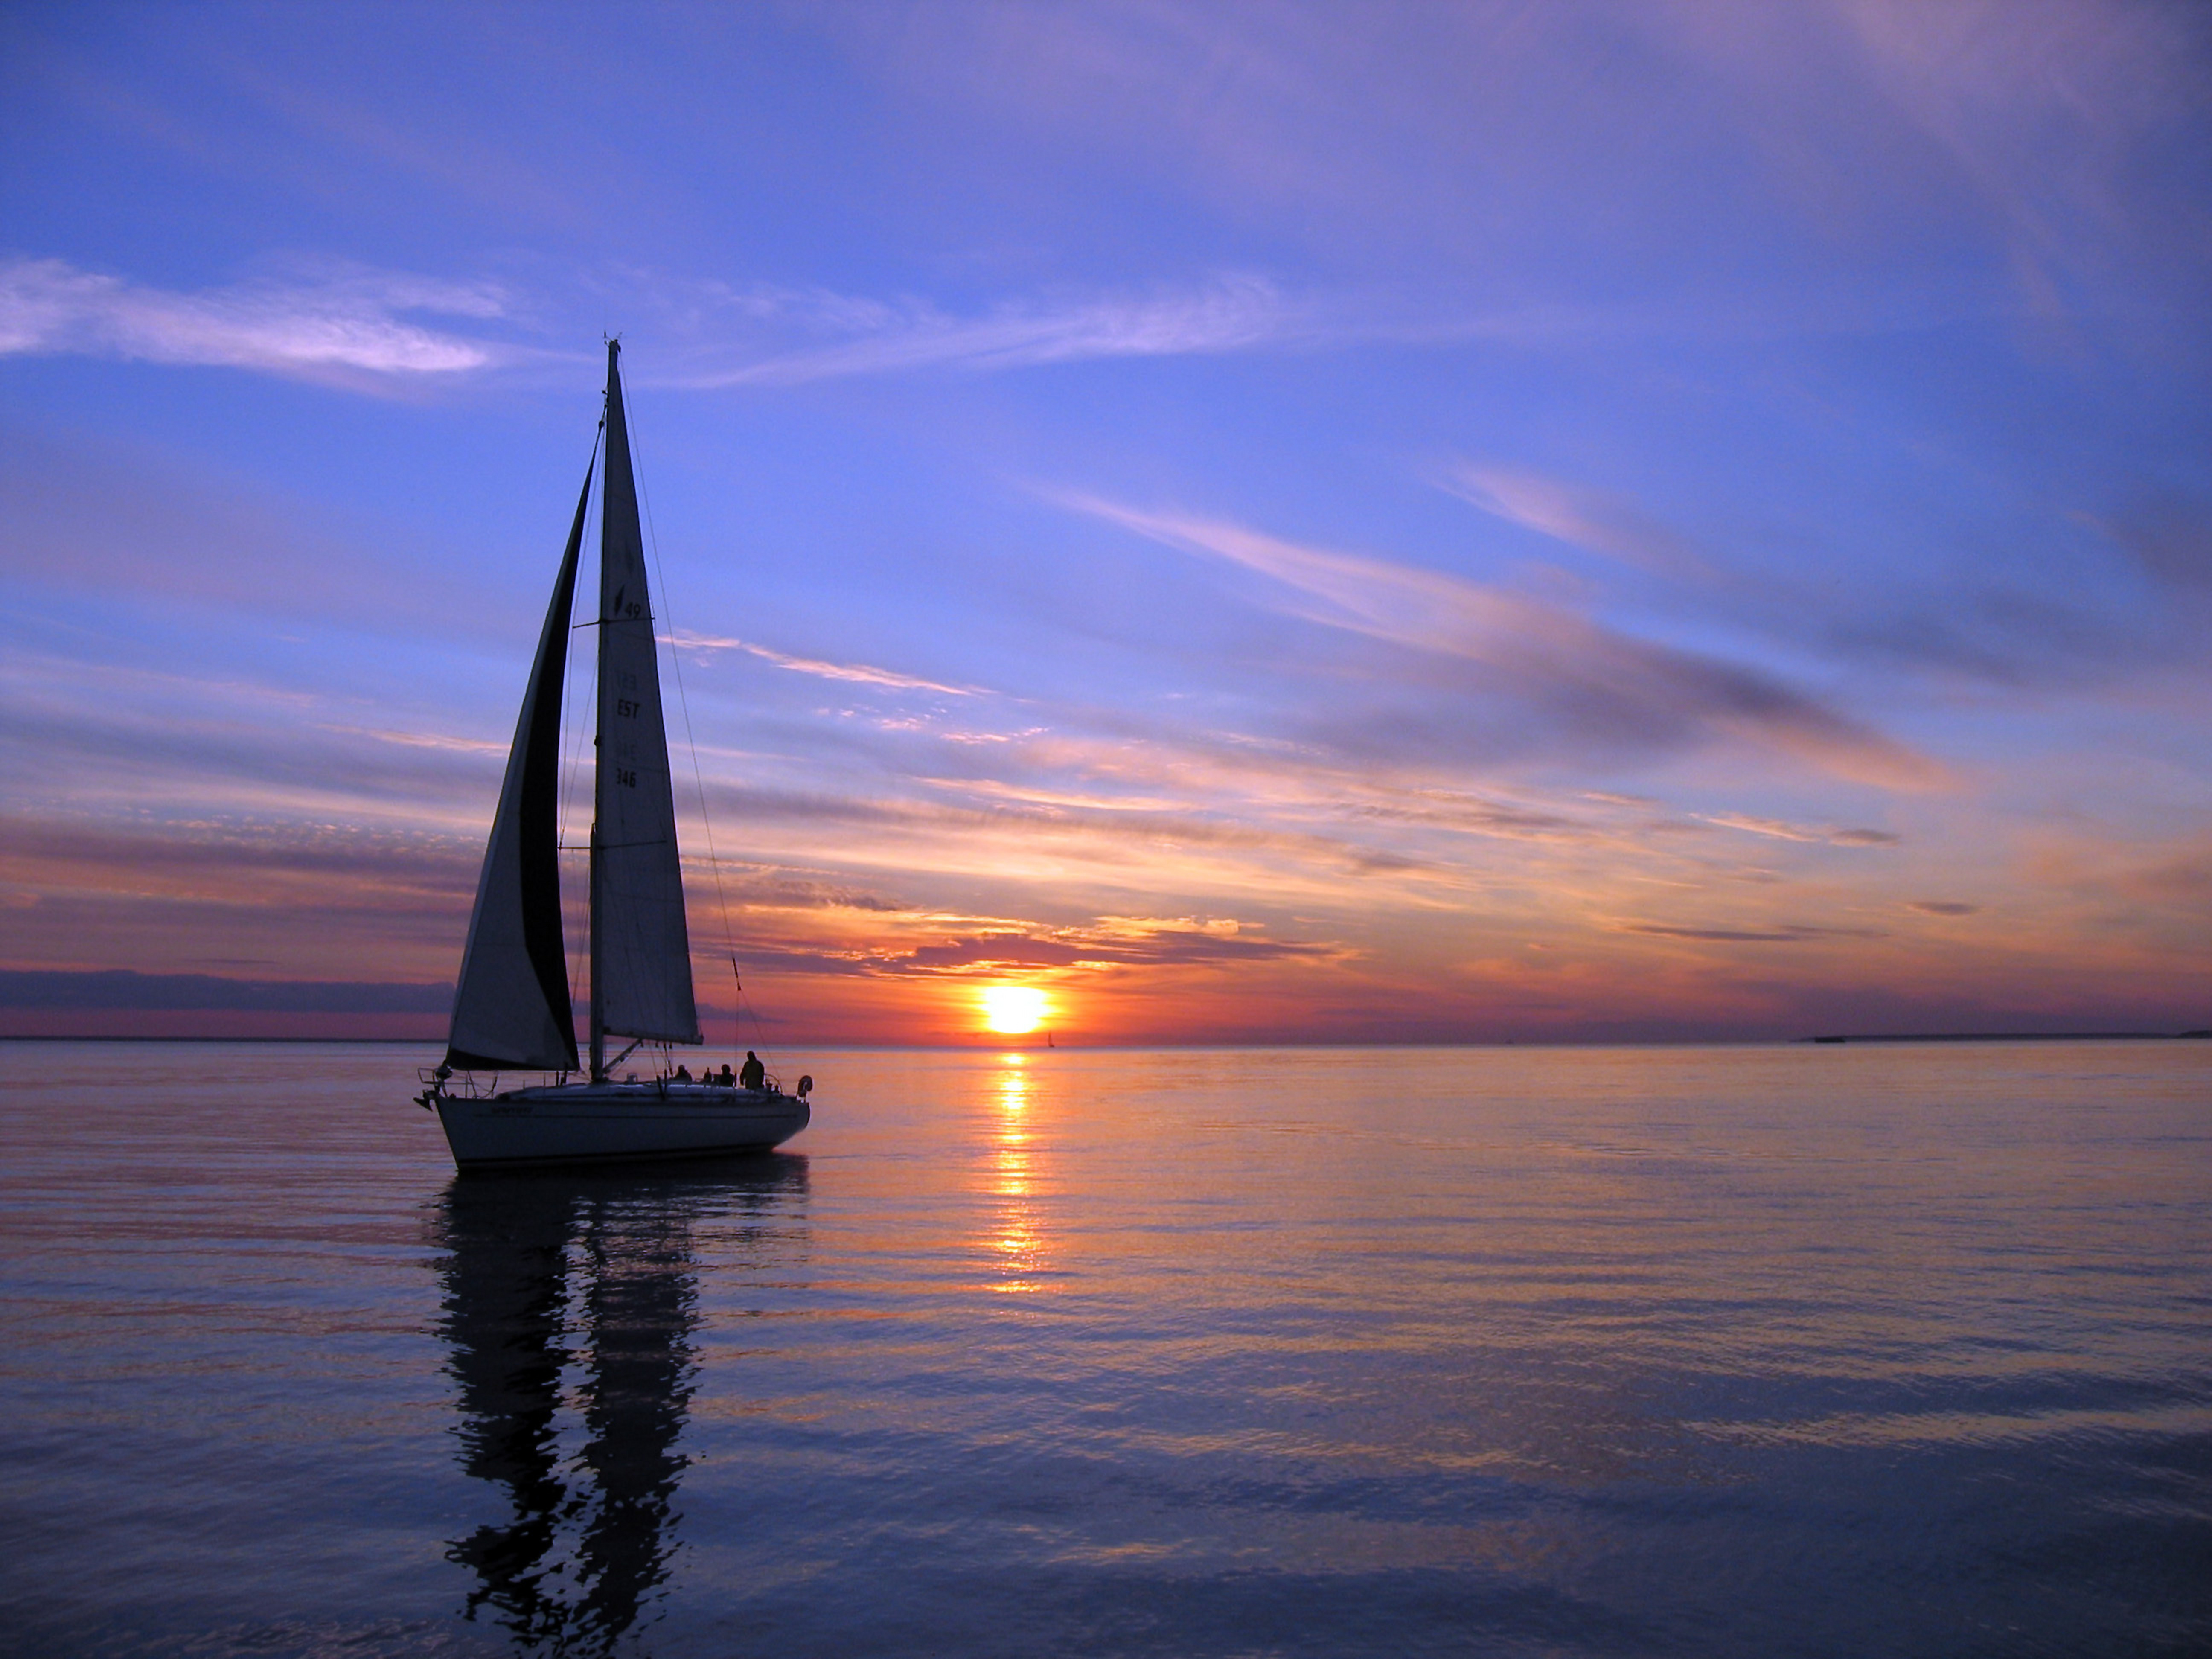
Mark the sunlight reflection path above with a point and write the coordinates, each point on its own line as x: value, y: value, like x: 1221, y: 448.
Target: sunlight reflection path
x: 1018, y: 1245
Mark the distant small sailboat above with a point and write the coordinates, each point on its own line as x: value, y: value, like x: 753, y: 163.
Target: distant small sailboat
x: 511, y: 1008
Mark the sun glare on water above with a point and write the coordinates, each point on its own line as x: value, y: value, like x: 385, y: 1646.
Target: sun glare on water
x: 1013, y: 1009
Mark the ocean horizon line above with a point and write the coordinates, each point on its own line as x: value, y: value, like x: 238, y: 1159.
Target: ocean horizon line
x: 1198, y: 1047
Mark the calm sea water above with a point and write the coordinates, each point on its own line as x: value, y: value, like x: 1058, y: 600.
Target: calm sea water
x: 1726, y: 1351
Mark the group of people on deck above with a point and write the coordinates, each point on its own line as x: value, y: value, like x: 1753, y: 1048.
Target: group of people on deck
x: 751, y: 1075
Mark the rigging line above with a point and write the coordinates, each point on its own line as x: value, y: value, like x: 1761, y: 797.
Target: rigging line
x: 683, y: 702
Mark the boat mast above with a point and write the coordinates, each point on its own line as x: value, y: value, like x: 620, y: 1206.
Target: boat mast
x: 598, y: 760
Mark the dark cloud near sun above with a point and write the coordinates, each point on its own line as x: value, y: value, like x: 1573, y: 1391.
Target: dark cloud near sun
x: 1149, y: 946
x: 995, y: 951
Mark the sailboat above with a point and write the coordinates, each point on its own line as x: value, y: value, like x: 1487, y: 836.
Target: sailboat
x: 512, y: 1010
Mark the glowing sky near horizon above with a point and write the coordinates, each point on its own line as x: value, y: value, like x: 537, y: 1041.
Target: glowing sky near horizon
x: 1258, y: 523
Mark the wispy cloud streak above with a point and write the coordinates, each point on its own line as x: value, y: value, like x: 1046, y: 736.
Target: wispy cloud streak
x: 1232, y: 313
x: 854, y: 672
x: 1797, y: 832
x: 1580, y: 517
x: 368, y: 322
x: 352, y: 321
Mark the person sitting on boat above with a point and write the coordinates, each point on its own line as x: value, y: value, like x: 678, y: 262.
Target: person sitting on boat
x: 728, y: 1078
x: 752, y: 1074
x: 684, y: 1074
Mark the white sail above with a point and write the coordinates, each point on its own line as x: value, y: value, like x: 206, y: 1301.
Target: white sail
x: 511, y: 1007
x: 642, y: 948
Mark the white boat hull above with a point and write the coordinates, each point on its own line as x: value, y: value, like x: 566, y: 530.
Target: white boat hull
x: 610, y: 1122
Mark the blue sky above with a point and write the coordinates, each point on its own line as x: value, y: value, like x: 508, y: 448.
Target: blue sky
x: 1437, y: 522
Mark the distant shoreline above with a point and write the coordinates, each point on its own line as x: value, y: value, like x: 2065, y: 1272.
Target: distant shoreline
x: 2021, y: 1037
x: 97, y: 1036
x: 1506, y: 1042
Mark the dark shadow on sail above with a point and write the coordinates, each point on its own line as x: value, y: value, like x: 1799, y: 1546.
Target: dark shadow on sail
x: 570, y: 1310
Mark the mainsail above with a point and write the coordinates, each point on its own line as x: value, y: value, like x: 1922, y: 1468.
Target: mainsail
x: 641, y: 947
x: 511, y: 1007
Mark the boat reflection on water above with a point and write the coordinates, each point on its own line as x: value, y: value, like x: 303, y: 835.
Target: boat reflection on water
x: 570, y: 1310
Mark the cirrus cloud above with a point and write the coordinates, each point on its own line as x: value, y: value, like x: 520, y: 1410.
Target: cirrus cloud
x: 852, y: 672
x: 1584, y: 517
x: 351, y: 320
x: 770, y: 336
x: 1605, y: 682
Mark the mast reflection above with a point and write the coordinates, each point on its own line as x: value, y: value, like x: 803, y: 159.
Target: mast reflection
x: 570, y: 1305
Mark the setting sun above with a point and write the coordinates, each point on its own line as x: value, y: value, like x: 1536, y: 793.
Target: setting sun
x: 1012, y: 1009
